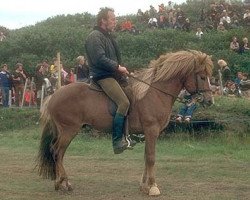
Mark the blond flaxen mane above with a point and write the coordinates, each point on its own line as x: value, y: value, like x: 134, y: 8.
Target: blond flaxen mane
x: 169, y: 66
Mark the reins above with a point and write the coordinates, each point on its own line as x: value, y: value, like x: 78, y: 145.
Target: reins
x: 156, y: 88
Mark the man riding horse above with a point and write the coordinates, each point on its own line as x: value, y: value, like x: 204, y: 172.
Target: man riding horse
x: 105, y: 62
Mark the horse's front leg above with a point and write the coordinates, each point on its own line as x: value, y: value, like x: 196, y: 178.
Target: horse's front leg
x: 148, y: 183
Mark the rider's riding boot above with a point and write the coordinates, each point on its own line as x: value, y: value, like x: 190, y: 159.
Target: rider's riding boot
x: 131, y: 143
x: 118, y: 124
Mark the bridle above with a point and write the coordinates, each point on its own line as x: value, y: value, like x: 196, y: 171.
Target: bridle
x: 197, y: 93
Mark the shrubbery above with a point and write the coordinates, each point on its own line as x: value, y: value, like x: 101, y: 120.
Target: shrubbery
x: 66, y: 34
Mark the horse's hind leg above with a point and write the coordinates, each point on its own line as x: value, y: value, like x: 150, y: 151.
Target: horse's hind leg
x: 64, y: 138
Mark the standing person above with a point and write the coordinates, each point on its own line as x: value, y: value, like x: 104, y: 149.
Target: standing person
x: 5, y: 84
x: 104, y: 61
x: 82, y: 70
x: 19, y: 78
x: 225, y: 71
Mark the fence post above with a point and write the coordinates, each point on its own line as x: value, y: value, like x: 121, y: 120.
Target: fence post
x: 59, y: 70
x: 25, y: 87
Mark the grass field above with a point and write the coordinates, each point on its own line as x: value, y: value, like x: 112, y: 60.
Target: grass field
x: 187, y: 168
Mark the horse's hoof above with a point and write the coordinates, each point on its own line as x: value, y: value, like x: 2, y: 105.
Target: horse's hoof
x: 63, y: 187
x: 154, y: 191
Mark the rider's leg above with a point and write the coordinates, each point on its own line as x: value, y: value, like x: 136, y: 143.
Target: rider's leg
x: 112, y: 88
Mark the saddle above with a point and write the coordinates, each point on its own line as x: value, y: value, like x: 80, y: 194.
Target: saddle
x: 111, y: 105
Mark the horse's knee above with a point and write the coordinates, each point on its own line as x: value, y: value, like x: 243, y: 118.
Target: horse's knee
x: 150, y: 160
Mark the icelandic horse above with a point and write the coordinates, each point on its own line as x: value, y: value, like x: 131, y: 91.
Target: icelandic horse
x: 72, y: 106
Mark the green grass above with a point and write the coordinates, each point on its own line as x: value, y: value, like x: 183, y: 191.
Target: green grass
x: 186, y: 168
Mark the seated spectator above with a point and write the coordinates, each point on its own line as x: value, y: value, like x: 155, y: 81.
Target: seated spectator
x: 231, y: 89
x: 238, y: 78
x: 245, y: 83
x: 221, y: 27
x: 199, y: 33
x: 244, y: 45
x: 187, y: 109
x: 234, y: 45
x: 152, y: 23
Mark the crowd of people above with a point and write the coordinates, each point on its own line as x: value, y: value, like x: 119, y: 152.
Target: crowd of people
x: 21, y: 89
x: 220, y: 16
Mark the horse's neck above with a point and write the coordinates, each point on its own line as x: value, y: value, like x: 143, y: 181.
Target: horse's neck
x: 170, y: 87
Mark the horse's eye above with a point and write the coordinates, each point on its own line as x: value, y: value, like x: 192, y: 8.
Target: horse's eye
x: 203, y: 78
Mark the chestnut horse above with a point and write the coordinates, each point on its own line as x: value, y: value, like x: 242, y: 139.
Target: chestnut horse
x: 152, y: 98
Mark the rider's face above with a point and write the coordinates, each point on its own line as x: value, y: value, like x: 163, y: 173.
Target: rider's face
x: 110, y: 22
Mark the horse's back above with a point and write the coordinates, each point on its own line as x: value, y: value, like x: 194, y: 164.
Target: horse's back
x: 77, y: 103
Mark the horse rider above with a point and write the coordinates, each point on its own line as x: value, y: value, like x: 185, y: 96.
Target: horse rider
x: 104, y: 60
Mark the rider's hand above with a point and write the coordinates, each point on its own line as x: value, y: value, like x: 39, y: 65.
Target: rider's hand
x: 123, y: 69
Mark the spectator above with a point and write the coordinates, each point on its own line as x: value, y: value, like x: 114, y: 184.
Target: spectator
x: 231, y: 89
x: 2, y: 36
x: 70, y: 78
x: 244, y: 83
x: 170, y: 6
x: 199, y: 33
x: 246, y: 17
x: 244, y: 45
x: 221, y: 27
x: 126, y: 25
x: 152, y: 23
x: 238, y: 78
x: 140, y: 16
x: 5, y: 84
x: 152, y: 12
x: 82, y: 70
x: 19, y: 78
x: 225, y: 71
x: 186, y: 26
x: 225, y: 19
x: 41, y: 79
x: 234, y: 45
x: 186, y: 111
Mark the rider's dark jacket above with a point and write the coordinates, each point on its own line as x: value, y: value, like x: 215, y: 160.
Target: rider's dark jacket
x: 102, y: 53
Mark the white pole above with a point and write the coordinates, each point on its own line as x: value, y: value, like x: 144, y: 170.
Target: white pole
x: 10, y: 98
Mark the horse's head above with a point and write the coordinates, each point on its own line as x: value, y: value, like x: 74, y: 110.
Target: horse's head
x: 197, y: 82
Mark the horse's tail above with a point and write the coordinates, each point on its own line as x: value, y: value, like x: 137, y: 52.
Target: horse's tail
x: 46, y: 156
